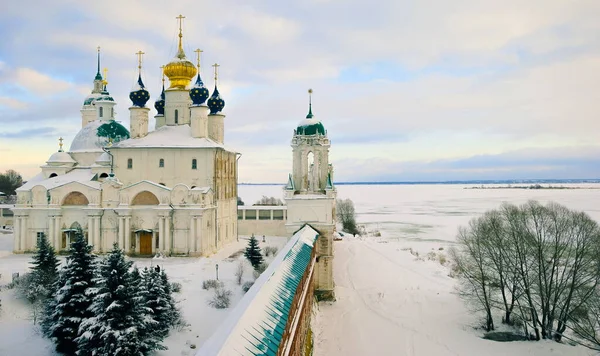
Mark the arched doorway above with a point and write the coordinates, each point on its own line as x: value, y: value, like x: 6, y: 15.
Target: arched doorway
x: 68, y: 235
x: 145, y: 239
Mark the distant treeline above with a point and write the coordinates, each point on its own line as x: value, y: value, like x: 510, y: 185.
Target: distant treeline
x: 533, y: 186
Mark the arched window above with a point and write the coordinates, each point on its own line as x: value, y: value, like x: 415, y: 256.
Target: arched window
x: 176, y: 116
x: 161, y: 163
x: 104, y: 175
x: 101, y: 111
x: 112, y: 112
x: 53, y: 175
x: 129, y: 163
x: 163, y: 184
x: 194, y: 164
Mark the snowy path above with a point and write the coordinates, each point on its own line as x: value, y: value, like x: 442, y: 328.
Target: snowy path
x: 390, y: 304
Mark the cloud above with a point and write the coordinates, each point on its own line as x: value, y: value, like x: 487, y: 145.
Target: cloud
x: 30, y: 133
x: 427, y: 81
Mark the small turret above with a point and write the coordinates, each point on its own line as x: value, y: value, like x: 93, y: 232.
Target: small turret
x: 138, y: 112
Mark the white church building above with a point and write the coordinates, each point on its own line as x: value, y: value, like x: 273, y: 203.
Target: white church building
x: 171, y: 190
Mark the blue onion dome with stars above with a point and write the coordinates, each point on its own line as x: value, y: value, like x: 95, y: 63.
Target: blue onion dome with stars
x: 216, y: 103
x: 139, y: 95
x: 159, y: 104
x: 199, y: 93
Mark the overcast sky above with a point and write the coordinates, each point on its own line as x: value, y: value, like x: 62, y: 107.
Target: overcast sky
x: 408, y: 90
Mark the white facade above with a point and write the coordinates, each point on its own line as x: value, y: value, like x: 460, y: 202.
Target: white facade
x: 172, y: 190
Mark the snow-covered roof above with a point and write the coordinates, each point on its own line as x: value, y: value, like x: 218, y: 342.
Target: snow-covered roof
x: 256, y: 325
x: 103, y: 159
x: 83, y: 176
x: 178, y: 136
x: 87, y: 139
x: 60, y: 157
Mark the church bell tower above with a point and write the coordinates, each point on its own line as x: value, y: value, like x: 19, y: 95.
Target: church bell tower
x: 310, y: 194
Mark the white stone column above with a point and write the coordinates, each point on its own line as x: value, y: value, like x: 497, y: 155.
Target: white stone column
x: 51, y: 231
x: 23, y: 233
x: 17, y: 233
x: 97, y: 238
x: 121, y: 233
x: 168, y: 235
x: 127, y: 232
x: 57, y: 233
x: 90, y: 229
x: 161, y: 233
x: 191, y: 235
x: 153, y: 248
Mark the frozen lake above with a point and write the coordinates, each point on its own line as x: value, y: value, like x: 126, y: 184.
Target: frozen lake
x: 434, y: 212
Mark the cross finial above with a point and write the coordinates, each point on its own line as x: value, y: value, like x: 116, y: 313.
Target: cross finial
x: 310, y: 114
x: 216, y: 66
x: 60, y: 144
x: 180, y: 19
x: 162, y: 71
x: 140, y: 54
x: 198, y: 54
x: 105, y: 81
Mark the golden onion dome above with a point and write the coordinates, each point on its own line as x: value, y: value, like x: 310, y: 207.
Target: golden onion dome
x: 180, y: 70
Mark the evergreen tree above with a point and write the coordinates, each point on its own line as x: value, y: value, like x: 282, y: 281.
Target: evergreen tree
x: 45, y: 264
x: 175, y: 315
x: 117, y: 325
x: 69, y: 307
x: 157, y: 301
x: 149, y: 326
x: 253, y: 252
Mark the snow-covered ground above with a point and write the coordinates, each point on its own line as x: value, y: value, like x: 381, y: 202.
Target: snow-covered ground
x: 389, y: 302
x: 18, y: 335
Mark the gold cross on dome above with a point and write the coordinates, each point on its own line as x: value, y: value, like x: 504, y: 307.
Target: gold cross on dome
x: 140, y: 54
x: 198, y: 54
x: 180, y: 19
x: 60, y: 143
x: 216, y: 66
x: 162, y: 70
x: 105, y: 81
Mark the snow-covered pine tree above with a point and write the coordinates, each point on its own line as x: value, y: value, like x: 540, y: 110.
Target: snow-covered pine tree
x: 253, y: 252
x: 149, y: 325
x: 157, y: 300
x: 175, y: 316
x: 45, y: 264
x: 116, y: 326
x: 69, y: 306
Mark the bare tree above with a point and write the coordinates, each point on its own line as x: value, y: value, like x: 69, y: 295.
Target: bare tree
x: 239, y: 272
x: 268, y: 201
x: 473, y: 267
x: 544, y: 260
x: 346, y: 215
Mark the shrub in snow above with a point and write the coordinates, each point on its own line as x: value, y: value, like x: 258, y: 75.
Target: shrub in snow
x: 246, y: 286
x: 157, y: 301
x: 120, y: 324
x: 221, y: 299
x: 253, y: 253
x: 239, y: 272
x: 211, y: 284
x: 260, y: 269
x: 270, y: 250
x: 175, y: 314
x: 69, y: 306
x: 176, y: 287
